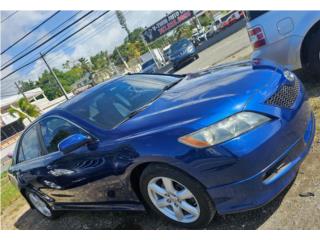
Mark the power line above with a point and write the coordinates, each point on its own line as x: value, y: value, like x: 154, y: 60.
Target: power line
x: 9, y: 16
x: 56, y: 45
x: 31, y: 31
x: 99, y: 28
x: 50, y: 32
x: 82, y: 38
x: 35, y: 48
x: 87, y: 35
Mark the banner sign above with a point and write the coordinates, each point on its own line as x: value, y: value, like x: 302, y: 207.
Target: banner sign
x: 166, y: 24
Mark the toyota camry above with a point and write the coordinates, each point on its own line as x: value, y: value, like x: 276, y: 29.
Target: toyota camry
x: 223, y: 140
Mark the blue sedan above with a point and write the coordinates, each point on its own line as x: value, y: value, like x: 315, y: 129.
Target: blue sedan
x: 182, y: 52
x: 224, y: 140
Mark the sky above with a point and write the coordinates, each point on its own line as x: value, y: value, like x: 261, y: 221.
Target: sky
x: 104, y: 34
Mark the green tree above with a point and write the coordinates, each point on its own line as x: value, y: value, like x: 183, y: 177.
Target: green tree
x: 25, y: 110
x: 66, y: 65
x: 85, y: 64
x: 205, y: 20
x: 122, y: 21
x: 183, y: 31
x: 27, y: 85
x: 99, y: 61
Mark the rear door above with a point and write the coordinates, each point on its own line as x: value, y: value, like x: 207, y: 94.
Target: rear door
x: 29, y: 164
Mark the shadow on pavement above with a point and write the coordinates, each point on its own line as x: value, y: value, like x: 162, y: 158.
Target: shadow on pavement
x: 141, y: 220
x: 311, y: 83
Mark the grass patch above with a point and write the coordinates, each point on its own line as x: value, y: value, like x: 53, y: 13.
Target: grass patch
x: 9, y: 193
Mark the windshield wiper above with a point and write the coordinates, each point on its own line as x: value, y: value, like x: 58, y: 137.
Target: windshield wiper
x: 172, y: 84
x: 135, y: 112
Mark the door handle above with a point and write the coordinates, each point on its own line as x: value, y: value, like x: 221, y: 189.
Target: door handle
x: 61, y: 172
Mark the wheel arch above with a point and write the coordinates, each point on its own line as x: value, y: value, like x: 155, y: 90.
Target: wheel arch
x: 303, y: 50
x: 137, y: 170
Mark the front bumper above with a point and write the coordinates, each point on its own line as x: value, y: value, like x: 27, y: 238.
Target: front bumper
x: 183, y: 59
x: 264, y: 186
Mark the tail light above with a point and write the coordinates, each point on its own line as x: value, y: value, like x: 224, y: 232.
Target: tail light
x: 257, y: 37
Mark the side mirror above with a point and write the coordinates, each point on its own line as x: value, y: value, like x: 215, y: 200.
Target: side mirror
x: 73, y: 142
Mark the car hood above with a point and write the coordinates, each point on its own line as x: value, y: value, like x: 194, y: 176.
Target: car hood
x: 205, y: 97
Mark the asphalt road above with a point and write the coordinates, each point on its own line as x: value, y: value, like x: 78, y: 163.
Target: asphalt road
x: 287, y: 211
x: 218, y: 52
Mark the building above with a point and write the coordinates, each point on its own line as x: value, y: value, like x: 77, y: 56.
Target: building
x: 11, y: 125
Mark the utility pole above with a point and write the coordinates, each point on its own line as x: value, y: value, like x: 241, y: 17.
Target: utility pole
x: 198, y: 21
x: 20, y: 91
x: 124, y: 62
x: 55, y: 77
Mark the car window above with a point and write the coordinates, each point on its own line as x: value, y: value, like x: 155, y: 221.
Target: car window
x: 254, y: 14
x: 147, y: 64
x: 54, y: 130
x: 29, y: 146
x: 110, y: 104
x: 177, y: 46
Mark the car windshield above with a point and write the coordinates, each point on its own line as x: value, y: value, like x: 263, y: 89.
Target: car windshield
x: 148, y: 63
x: 177, y: 46
x: 111, y: 104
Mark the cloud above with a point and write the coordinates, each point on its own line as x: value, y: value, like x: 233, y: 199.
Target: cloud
x: 19, y: 25
x: 105, y: 34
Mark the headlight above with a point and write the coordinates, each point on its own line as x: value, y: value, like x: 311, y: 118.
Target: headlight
x: 190, y: 49
x: 224, y: 130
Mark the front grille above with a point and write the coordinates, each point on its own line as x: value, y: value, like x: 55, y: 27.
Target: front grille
x: 286, y: 96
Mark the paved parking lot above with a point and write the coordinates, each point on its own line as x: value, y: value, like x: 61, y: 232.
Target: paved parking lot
x: 238, y: 42
x: 290, y: 210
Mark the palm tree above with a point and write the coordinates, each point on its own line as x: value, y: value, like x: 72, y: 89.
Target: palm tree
x: 85, y: 64
x: 66, y: 65
x: 25, y: 110
x: 122, y: 21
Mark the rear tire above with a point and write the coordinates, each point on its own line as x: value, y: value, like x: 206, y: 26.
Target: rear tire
x: 313, y: 54
x: 40, y: 205
x: 193, y: 210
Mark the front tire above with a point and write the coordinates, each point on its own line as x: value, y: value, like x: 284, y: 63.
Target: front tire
x: 40, y: 205
x: 313, y: 54
x: 175, y: 196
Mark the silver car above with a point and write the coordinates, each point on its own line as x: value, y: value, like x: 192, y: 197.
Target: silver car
x: 291, y: 38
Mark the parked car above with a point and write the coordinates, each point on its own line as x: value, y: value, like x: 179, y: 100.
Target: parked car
x: 149, y: 66
x: 214, y: 28
x: 187, y: 146
x: 181, y: 52
x: 290, y: 38
x: 199, y: 35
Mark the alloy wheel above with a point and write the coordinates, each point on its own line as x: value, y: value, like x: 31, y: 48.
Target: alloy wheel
x: 39, y: 204
x: 173, y: 199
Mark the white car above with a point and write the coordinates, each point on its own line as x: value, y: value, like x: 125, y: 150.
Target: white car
x: 291, y: 38
x: 199, y: 35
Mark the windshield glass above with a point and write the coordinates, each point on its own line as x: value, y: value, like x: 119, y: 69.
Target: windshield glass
x: 177, y: 46
x: 109, y: 105
x: 147, y: 64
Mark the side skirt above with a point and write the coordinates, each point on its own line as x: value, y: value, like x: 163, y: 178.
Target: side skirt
x: 104, y: 206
